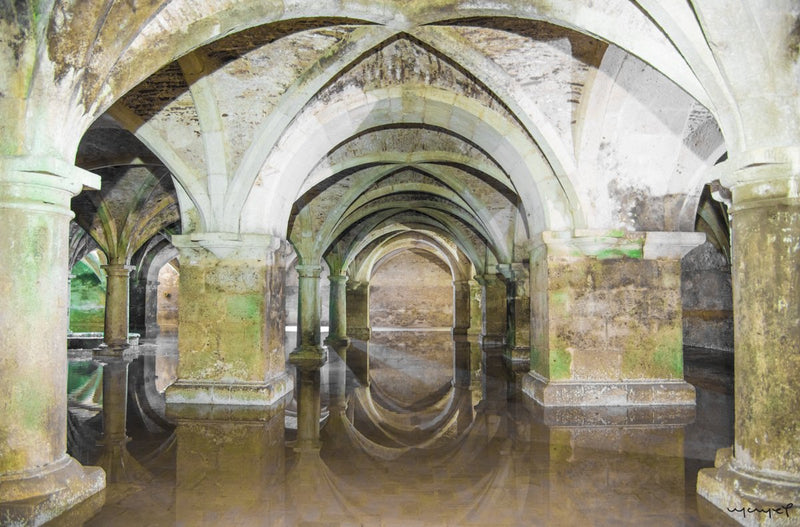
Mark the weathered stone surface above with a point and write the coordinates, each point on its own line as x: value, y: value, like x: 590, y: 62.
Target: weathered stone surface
x: 231, y: 326
x: 425, y: 301
x: 607, y: 331
x: 762, y: 470
x: 38, y: 480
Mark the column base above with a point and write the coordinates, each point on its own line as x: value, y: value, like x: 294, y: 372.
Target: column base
x: 592, y: 393
x: 308, y: 357
x: 748, y: 498
x: 37, y: 496
x: 192, y: 399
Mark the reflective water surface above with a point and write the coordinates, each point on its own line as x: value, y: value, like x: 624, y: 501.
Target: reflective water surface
x: 417, y: 430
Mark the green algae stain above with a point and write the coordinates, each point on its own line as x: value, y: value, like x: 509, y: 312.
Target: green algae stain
x: 244, y: 307
x: 560, y: 363
x: 619, y: 252
x: 655, y: 356
x: 538, y: 361
x: 559, y: 297
x: 33, y: 407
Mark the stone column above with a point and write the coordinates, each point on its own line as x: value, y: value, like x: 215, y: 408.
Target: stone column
x: 38, y: 480
x: 461, y: 308
x: 607, y: 328
x: 115, y: 334
x: 518, y: 339
x: 763, y: 468
x: 308, y: 321
x: 493, y: 305
x: 231, y: 324
x: 337, y: 332
x: 357, y: 307
x: 475, y: 313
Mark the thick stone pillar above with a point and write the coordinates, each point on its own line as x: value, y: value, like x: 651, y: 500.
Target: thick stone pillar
x: 231, y: 324
x: 115, y: 334
x: 357, y: 307
x: 493, y: 305
x: 518, y: 336
x: 461, y: 308
x: 763, y: 468
x: 337, y: 312
x: 607, y: 327
x: 38, y: 480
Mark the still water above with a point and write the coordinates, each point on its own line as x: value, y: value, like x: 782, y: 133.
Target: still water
x: 416, y: 431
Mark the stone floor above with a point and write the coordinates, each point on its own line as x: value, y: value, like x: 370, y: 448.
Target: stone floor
x: 467, y: 457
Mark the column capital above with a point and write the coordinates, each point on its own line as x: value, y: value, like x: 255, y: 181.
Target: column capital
x: 43, y: 184
x: 341, y: 278
x: 752, y: 166
x: 616, y: 244
x: 228, y: 245
x: 308, y: 271
x: 113, y: 269
x: 49, y: 171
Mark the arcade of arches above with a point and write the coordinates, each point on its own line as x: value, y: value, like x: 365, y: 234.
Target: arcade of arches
x: 576, y: 185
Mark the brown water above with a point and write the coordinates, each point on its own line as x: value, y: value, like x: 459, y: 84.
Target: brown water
x: 411, y: 448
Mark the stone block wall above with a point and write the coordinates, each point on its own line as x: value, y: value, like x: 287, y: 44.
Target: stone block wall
x: 411, y: 290
x: 707, y: 299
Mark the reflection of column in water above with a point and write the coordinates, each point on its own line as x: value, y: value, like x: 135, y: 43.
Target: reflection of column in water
x: 461, y: 384
x: 358, y: 361
x: 596, y: 471
x: 337, y: 376
x: 114, y: 458
x: 308, y: 403
x: 228, y: 470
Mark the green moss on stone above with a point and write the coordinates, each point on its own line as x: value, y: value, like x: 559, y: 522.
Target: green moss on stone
x: 618, y: 252
x: 560, y: 363
x: 655, y: 356
x: 244, y: 307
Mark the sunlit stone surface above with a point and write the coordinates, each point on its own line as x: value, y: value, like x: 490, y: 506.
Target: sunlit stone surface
x: 427, y: 453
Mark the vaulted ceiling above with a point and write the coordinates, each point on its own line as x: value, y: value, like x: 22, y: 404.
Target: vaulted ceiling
x: 476, y: 133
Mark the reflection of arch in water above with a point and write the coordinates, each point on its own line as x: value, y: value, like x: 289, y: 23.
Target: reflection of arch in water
x: 362, y: 485
x: 444, y: 411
